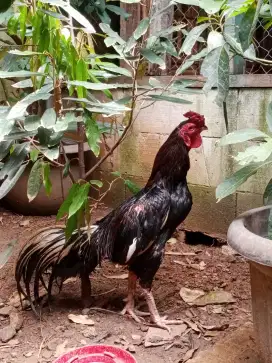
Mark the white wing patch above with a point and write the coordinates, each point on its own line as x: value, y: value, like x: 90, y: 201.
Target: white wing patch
x: 131, y: 249
x: 165, y: 220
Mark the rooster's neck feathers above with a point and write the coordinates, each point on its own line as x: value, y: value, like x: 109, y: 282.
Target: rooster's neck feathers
x: 172, y: 161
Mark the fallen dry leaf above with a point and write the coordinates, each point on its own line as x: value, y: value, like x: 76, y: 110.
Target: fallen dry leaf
x: 189, y: 295
x: 117, y: 277
x: 198, y: 266
x: 180, y: 253
x: 24, y: 223
x: 80, y: 319
x: 180, y: 263
x: 215, y: 327
x: 172, y: 241
x: 189, y: 354
x: 193, y: 326
x: 214, y: 297
x: 199, y: 298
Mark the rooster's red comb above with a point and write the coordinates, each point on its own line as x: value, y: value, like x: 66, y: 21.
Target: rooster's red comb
x: 196, y: 118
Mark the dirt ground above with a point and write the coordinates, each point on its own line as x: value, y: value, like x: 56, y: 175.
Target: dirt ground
x: 208, y: 269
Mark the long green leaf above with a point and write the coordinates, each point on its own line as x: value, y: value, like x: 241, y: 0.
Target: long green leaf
x: 242, y: 135
x: 116, y: 69
x: 231, y: 184
x: 223, y: 77
x: 46, y: 178
x: 16, y: 158
x: 71, y: 226
x: 93, y: 135
x: 48, y: 119
x: 187, y: 2
x: 141, y: 28
x: 215, y: 68
x: 10, y: 181
x: 5, y: 148
x: 153, y: 58
x: 32, y: 123
x: 5, y: 255
x: 79, y: 199
x: 98, y: 183
x: 132, y: 187
x: 255, y: 154
x: 267, y: 197
x: 192, y: 37
x: 64, y: 208
x: 19, y: 74
x: 269, y: 116
x: 119, y: 11
x: 168, y: 99
x: 34, y: 181
x: 81, y: 75
x: 107, y: 29
x: 52, y: 154
x: 19, y: 109
x: 73, y: 12
x: 211, y: 6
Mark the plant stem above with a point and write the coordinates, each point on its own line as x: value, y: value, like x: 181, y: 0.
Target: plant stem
x: 81, y: 161
x: 255, y: 21
x: 130, y: 123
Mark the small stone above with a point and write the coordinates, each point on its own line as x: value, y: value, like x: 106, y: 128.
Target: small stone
x: 89, y: 333
x: 117, y: 341
x: 47, y: 354
x: 83, y: 342
x: 28, y: 354
x: 24, y: 223
x: 13, y: 354
x: 228, y: 251
x: 144, y: 328
x: 98, y: 320
x: 156, y: 336
x: 16, y: 320
x: 7, y: 333
x: 172, y: 241
x: 52, y: 345
x: 136, y: 337
x: 85, y: 311
x: 5, y: 311
x: 217, y: 310
x: 13, y: 342
x: 131, y: 348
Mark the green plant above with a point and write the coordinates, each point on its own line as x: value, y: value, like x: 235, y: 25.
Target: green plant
x: 6, y: 254
x: 58, y: 42
x: 229, y: 27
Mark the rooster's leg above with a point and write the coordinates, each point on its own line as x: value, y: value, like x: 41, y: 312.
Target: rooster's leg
x: 160, y: 322
x: 86, y: 289
x: 130, y: 305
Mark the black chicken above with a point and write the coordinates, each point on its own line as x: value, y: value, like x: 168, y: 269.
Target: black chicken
x: 134, y: 234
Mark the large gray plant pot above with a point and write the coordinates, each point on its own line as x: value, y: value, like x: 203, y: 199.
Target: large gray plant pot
x: 247, y: 235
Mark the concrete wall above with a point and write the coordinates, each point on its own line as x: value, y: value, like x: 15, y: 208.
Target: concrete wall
x: 209, y: 164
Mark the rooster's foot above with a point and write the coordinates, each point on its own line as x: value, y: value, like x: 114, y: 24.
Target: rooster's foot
x: 134, y: 313
x: 162, y: 322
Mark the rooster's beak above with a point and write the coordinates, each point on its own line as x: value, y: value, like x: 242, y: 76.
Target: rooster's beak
x: 204, y: 128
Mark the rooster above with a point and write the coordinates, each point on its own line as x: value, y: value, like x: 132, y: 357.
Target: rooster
x: 134, y: 234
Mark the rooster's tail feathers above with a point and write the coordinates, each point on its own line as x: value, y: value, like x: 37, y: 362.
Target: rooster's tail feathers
x: 48, y: 257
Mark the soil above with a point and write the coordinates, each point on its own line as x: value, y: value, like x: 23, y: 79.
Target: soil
x: 37, y: 341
